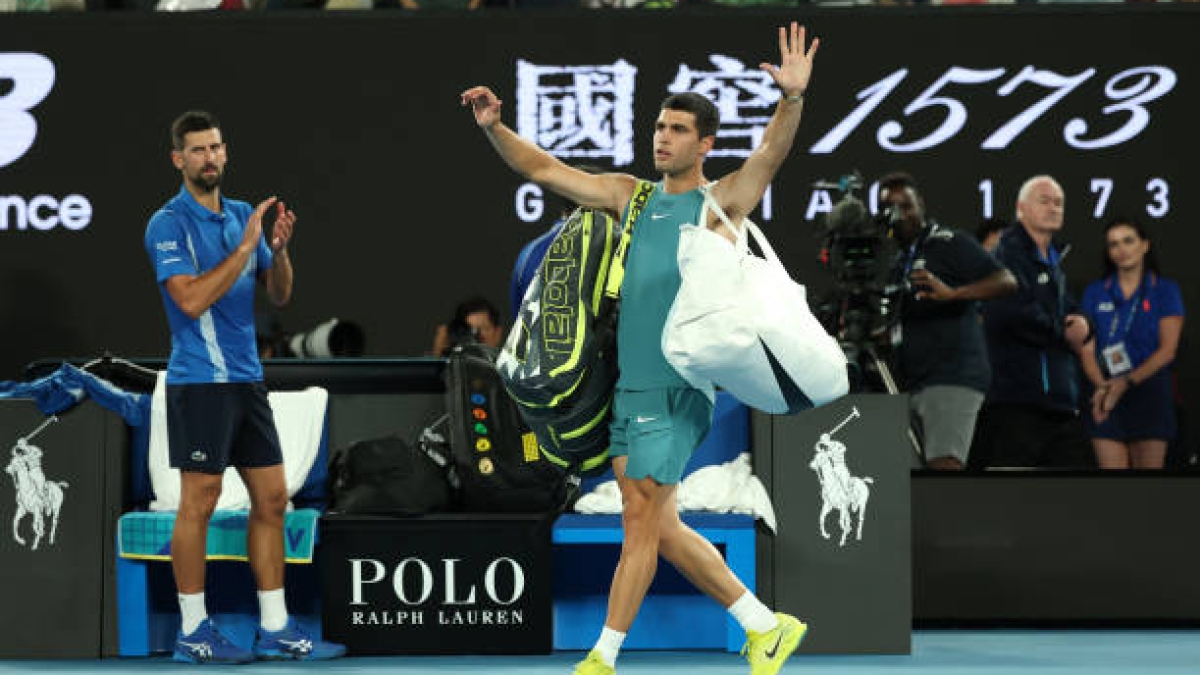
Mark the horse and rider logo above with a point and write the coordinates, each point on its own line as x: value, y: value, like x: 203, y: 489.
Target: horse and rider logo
x: 839, y: 489
x: 39, y: 498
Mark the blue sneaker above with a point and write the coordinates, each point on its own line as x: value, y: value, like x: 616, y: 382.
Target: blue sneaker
x: 293, y: 644
x: 206, y: 644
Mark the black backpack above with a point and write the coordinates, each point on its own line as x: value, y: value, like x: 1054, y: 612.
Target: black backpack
x: 560, y: 360
x: 496, y: 460
x: 388, y: 477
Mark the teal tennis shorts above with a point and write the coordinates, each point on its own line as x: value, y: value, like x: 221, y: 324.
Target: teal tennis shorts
x: 658, y: 429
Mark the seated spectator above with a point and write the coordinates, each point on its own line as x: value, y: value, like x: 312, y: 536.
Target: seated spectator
x: 475, y: 320
x: 1138, y: 315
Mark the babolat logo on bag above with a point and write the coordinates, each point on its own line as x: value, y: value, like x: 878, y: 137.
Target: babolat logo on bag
x: 559, y: 362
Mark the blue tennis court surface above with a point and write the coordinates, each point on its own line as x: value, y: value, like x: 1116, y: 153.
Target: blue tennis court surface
x: 1027, y: 652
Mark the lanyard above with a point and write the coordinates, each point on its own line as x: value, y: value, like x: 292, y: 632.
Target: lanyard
x: 919, y: 243
x: 1137, y: 300
x: 1052, y: 257
x: 909, y: 257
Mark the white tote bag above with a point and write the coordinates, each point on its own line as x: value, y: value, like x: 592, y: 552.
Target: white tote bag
x: 741, y: 323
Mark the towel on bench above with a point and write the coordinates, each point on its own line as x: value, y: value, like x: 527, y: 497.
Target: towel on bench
x: 146, y: 535
x: 299, y: 419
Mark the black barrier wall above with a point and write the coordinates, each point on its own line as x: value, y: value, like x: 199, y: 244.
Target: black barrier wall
x: 436, y: 584
x: 404, y: 209
x: 56, y: 546
x: 840, y: 484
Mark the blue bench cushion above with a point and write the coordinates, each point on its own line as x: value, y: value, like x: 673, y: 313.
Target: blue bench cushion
x: 146, y: 535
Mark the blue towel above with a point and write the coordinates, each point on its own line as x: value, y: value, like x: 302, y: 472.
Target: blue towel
x: 68, y: 386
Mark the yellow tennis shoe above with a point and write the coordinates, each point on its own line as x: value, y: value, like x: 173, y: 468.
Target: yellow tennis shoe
x: 594, y: 665
x: 767, y: 651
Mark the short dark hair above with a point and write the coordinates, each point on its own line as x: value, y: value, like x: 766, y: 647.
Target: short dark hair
x: 899, y: 179
x: 191, y: 122
x: 707, y: 116
x: 472, y: 305
x: 1149, y: 262
x: 988, y: 226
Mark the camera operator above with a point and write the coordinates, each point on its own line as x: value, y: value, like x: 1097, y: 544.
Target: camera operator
x: 475, y: 320
x: 942, y: 355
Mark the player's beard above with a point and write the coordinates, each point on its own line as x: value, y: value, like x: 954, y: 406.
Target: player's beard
x: 207, y: 183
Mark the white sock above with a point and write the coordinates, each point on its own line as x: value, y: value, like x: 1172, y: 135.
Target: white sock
x: 609, y: 645
x: 272, y: 609
x: 752, y: 614
x: 192, y: 610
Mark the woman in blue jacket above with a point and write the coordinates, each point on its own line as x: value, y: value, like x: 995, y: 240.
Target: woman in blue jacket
x: 1138, y: 315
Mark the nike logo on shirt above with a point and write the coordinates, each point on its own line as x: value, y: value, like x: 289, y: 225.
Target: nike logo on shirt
x: 658, y: 216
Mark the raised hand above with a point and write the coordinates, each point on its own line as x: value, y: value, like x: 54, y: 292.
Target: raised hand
x: 796, y: 62
x: 285, y: 221
x: 254, y: 225
x: 484, y: 104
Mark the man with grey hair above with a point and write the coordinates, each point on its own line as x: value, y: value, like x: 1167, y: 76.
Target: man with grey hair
x: 1031, y: 417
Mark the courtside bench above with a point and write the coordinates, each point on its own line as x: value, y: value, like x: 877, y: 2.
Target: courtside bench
x: 373, y: 399
x: 675, y: 615
x: 147, y: 607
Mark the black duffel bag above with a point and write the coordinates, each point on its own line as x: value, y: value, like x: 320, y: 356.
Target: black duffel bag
x: 388, y: 476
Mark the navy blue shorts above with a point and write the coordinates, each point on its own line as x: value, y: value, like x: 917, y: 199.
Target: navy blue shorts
x: 214, y: 426
x: 1145, y: 412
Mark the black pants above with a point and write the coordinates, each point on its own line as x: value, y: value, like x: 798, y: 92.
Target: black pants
x: 1017, y: 435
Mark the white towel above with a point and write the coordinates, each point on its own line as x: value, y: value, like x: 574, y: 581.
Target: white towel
x: 724, y: 488
x: 299, y: 419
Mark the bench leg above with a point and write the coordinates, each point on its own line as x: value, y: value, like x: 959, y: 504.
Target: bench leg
x: 133, y: 608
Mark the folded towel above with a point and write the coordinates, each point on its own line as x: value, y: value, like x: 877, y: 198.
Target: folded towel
x: 731, y: 487
x: 299, y: 419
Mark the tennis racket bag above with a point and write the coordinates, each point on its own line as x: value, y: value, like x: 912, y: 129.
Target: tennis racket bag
x: 559, y: 362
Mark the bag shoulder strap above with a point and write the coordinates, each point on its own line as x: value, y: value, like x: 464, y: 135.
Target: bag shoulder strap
x: 616, y: 272
x: 739, y: 233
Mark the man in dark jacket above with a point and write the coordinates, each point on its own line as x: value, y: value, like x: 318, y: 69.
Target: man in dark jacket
x: 1031, y: 417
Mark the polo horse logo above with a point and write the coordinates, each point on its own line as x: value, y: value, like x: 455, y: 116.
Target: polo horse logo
x: 37, y: 497
x: 839, y: 489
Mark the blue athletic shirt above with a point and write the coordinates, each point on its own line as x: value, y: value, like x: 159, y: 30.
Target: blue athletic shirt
x: 1109, y: 310
x: 651, y: 282
x: 184, y: 237
x: 528, y: 261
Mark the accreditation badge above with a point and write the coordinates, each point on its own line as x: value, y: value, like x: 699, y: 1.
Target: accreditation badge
x: 1116, y: 359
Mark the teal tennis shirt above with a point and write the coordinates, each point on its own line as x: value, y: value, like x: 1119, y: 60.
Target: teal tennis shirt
x: 651, y: 282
